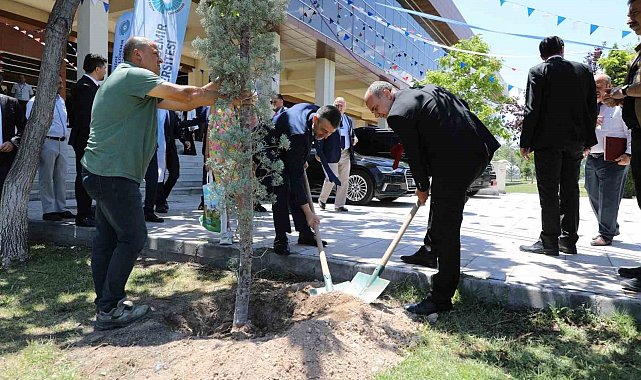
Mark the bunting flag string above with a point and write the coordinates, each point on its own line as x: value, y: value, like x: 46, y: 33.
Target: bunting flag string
x: 560, y: 19
x: 460, y: 23
x: 38, y: 40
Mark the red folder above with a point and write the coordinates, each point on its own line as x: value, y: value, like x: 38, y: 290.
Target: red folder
x: 614, y: 147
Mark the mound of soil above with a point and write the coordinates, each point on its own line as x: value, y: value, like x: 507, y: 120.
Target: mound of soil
x: 296, y: 336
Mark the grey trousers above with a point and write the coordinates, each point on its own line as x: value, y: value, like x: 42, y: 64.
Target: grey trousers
x: 341, y: 170
x: 52, y: 173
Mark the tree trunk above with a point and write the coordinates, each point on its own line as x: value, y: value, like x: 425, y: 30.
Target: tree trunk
x: 15, y: 196
x: 245, y: 205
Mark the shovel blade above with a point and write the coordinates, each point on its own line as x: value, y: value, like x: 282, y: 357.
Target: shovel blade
x: 359, y: 288
x: 345, y: 287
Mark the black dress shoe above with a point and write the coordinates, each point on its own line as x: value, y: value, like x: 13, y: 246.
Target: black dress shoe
x: 52, y: 217
x: 85, y: 222
x: 427, y: 307
x: 422, y: 257
x: 309, y: 240
x: 633, y: 284
x: 540, y: 248
x: 259, y: 208
x: 153, y: 218
x: 201, y: 206
x: 281, y: 247
x: 630, y: 272
x: 321, y: 204
x: 66, y: 215
x: 567, y: 246
x: 162, y: 209
x: 341, y: 209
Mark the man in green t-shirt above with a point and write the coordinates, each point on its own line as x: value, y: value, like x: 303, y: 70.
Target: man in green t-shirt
x: 122, y: 142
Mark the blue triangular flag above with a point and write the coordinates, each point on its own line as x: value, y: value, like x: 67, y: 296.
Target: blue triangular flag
x: 345, y: 37
x: 420, y: 73
x: 502, y: 2
x: 331, y: 21
x: 559, y: 20
x: 370, y: 14
x: 625, y: 33
x: 407, y: 34
x: 463, y: 64
x: 530, y: 11
x: 510, y: 87
x: 593, y: 28
x: 388, y: 24
x: 492, y: 79
x: 349, y: 2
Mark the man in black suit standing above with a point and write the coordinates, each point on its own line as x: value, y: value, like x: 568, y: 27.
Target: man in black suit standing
x: 444, y: 140
x: 13, y: 121
x: 95, y: 67
x: 559, y: 126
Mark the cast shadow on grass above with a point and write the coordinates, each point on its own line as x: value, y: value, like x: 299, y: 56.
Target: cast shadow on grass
x: 552, y: 343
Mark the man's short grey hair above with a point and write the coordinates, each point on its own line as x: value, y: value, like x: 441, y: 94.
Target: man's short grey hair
x: 377, y: 88
x: 134, y: 43
x: 605, y: 77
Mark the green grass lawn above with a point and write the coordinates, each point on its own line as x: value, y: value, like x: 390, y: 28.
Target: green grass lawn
x: 530, y: 188
x: 48, y: 302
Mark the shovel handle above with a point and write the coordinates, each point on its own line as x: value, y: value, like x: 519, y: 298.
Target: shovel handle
x: 398, y: 236
x: 327, y: 277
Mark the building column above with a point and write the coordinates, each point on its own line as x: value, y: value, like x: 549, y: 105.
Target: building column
x: 200, y: 76
x: 325, y: 81
x: 93, y: 32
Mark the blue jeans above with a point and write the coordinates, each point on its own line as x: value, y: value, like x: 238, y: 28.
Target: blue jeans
x: 604, y: 182
x: 121, y: 233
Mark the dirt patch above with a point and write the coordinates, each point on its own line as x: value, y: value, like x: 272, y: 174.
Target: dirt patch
x: 331, y: 336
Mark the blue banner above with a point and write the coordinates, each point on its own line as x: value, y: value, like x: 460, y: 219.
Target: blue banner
x: 164, y: 22
x: 123, y: 32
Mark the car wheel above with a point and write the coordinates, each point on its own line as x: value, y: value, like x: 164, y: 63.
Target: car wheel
x: 472, y: 193
x: 388, y: 200
x: 360, y: 188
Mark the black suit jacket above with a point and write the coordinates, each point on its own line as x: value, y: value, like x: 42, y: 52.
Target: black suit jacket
x: 13, y: 123
x: 83, y: 97
x: 439, y: 133
x: 560, y: 107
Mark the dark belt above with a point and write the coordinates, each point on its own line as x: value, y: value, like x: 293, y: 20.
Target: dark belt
x: 56, y: 138
x: 596, y: 155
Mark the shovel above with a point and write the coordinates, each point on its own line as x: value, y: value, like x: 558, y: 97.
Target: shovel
x: 327, y: 276
x: 369, y: 287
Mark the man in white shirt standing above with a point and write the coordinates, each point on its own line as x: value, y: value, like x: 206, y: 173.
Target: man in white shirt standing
x: 22, y: 91
x: 52, y: 168
x: 604, y: 180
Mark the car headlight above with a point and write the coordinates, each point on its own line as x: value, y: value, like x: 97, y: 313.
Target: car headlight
x: 390, y: 170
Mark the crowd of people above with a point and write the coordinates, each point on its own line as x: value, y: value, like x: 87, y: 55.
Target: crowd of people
x: 570, y: 115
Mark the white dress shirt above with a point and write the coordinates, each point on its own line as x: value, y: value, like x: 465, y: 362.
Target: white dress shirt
x: 344, y: 132
x: 59, y: 121
x: 612, y: 126
x: 92, y: 79
x: 22, y: 91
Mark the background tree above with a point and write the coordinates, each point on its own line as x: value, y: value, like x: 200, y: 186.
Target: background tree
x: 239, y: 49
x: 15, y: 196
x: 475, y: 79
x: 615, y: 64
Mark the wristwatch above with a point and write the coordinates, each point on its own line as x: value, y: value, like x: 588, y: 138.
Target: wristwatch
x: 624, y: 90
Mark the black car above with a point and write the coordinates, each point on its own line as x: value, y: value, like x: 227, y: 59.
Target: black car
x: 377, y: 142
x: 369, y: 178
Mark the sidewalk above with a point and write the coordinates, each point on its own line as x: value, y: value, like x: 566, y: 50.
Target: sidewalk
x: 493, y: 267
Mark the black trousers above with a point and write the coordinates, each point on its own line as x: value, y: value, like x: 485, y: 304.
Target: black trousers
x: 151, y: 185
x: 281, y: 209
x: 83, y: 200
x: 447, y: 200
x: 173, y: 168
x: 635, y: 162
x: 5, y: 165
x: 557, y: 176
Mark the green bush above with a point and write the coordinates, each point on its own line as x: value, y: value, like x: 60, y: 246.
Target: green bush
x: 628, y: 188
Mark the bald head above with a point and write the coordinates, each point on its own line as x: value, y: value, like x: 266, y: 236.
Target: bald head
x: 143, y: 52
x: 603, y: 85
x: 340, y: 103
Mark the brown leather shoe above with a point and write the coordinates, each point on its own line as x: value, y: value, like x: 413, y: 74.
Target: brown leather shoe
x: 601, y: 241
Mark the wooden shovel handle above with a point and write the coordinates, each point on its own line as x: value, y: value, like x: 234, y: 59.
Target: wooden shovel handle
x: 399, y: 234
x: 319, y: 241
